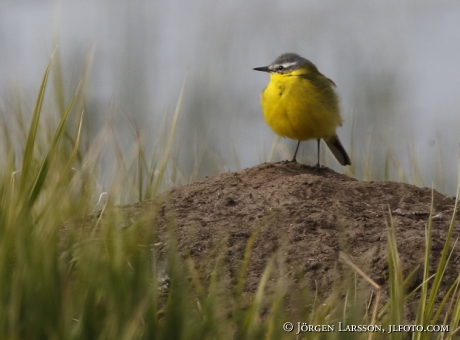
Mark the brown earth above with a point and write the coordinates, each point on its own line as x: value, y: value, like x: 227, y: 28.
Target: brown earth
x: 307, y: 217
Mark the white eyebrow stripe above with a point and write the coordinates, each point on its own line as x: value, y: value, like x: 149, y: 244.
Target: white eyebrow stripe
x: 287, y: 65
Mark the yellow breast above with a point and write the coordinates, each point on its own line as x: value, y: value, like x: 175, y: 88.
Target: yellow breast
x: 296, y: 108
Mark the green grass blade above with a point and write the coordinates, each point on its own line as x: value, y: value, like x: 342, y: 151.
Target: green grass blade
x: 28, y: 153
x: 177, y: 303
x: 447, y: 295
x: 442, y: 265
x: 406, y: 282
x: 395, y: 280
x: 455, y: 318
x: 426, y: 269
x: 245, y: 264
x: 43, y: 171
x: 251, y: 327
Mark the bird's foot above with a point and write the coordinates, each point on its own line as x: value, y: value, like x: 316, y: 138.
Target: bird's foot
x: 317, y: 168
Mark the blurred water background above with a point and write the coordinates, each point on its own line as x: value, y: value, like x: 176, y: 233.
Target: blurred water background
x: 395, y: 63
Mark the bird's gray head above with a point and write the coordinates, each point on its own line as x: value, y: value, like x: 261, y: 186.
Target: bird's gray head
x: 285, y: 63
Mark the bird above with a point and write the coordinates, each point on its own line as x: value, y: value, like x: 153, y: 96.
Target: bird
x: 300, y: 103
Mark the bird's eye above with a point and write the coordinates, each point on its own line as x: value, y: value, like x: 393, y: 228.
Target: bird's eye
x: 280, y: 68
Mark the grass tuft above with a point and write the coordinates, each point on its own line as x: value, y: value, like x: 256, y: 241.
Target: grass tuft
x: 68, y: 272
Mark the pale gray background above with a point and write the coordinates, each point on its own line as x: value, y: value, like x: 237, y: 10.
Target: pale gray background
x: 396, y: 64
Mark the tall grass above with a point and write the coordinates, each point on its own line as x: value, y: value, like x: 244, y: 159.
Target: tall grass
x: 66, y: 276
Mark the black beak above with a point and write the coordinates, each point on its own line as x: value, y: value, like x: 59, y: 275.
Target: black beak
x: 263, y: 69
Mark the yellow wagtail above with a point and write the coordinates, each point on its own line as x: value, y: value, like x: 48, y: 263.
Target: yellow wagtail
x: 300, y: 103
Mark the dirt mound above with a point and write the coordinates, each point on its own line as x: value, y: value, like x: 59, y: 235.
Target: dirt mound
x: 310, y: 215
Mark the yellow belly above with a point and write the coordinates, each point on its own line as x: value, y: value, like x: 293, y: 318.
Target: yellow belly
x: 295, y: 108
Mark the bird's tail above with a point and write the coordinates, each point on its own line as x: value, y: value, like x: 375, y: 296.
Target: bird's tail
x: 337, y: 150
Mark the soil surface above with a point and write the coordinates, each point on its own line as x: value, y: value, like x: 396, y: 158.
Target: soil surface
x: 306, y: 217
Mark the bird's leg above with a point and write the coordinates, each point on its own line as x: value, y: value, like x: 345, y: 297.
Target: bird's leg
x: 318, y: 166
x: 295, y: 153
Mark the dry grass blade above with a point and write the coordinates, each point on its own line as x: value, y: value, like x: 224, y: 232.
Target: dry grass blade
x: 272, y: 153
x: 344, y: 257
x: 168, y: 148
x: 74, y: 153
